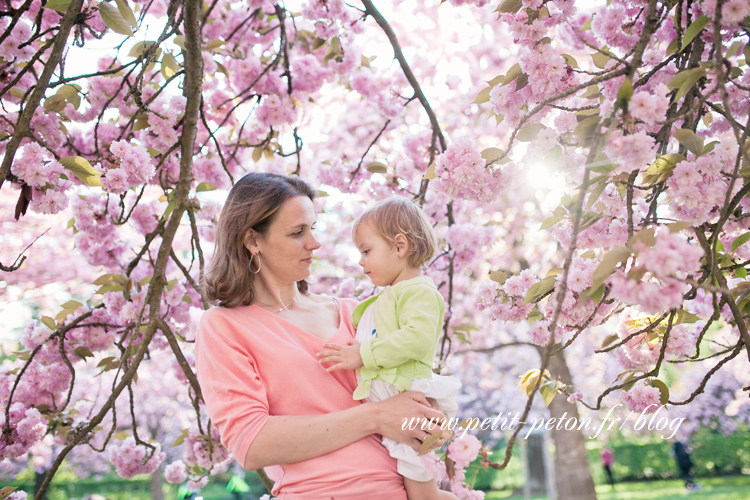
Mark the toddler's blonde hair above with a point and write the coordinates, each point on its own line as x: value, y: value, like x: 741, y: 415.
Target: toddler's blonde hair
x: 394, y: 216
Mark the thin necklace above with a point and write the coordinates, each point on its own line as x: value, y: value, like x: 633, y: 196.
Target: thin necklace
x: 277, y: 309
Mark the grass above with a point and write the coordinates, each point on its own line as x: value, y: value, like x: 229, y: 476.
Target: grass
x: 713, y: 488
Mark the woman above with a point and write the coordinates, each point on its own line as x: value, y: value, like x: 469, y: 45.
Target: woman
x: 274, y: 404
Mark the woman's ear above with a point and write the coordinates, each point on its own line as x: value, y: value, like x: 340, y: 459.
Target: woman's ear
x: 402, y: 245
x: 251, y: 242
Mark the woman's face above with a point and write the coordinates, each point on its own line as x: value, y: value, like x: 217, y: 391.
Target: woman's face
x: 287, y: 247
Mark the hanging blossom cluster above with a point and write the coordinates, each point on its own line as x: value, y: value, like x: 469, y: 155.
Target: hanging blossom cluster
x: 463, y: 452
x: 130, y: 458
x: 201, y: 455
x: 461, y: 172
x: 26, y: 427
x: 640, y: 351
x: 132, y: 167
x: 698, y: 185
x: 506, y: 301
x: 642, y: 398
x: 663, y: 265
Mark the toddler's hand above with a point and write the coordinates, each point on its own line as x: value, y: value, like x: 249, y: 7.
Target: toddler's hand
x: 346, y: 357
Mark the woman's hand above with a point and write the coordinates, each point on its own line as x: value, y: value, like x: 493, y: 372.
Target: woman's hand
x: 408, y: 418
x: 346, y: 357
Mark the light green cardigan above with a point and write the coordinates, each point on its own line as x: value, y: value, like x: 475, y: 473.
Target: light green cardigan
x: 408, y: 320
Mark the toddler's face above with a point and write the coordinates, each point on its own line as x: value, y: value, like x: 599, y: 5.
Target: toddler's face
x: 379, y: 257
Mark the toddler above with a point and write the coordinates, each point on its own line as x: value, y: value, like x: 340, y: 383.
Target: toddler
x: 398, y: 330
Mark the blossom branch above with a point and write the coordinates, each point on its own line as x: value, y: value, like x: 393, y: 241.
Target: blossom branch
x: 22, y: 127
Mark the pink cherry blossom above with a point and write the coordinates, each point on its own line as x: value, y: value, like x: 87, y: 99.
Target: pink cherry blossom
x: 175, y: 473
x: 642, y: 398
x: 131, y: 459
x: 463, y: 451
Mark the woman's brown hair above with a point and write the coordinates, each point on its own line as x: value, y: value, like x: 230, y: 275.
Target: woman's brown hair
x: 252, y: 204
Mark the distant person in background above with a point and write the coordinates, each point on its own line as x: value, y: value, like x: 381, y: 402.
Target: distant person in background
x: 608, y: 459
x: 684, y: 464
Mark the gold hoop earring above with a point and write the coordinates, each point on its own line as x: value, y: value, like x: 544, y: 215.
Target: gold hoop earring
x: 249, y: 266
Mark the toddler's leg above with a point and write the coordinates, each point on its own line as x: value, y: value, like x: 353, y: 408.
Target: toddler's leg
x: 428, y: 490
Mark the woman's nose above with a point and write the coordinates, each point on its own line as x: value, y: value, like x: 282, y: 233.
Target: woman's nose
x: 313, y: 244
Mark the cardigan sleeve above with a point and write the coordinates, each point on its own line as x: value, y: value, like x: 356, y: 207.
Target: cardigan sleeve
x: 231, y: 387
x: 419, y: 313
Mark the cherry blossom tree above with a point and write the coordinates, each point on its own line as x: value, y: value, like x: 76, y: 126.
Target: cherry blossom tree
x: 593, y: 194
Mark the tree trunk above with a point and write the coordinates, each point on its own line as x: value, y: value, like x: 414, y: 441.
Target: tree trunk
x: 572, y: 470
x: 157, y: 490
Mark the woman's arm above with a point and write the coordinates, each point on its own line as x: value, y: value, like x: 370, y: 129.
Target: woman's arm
x: 289, y: 439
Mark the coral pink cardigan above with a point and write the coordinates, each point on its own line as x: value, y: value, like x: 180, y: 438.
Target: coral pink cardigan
x: 252, y: 364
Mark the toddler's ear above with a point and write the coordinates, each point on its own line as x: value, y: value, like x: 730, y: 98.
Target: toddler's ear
x: 402, y: 245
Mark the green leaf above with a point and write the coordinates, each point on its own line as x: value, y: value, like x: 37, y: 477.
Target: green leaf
x: 676, y: 227
x: 682, y: 316
x: 498, y: 277
x: 587, y: 25
x: 214, y: 44
x: 427, y: 443
x: 127, y: 13
x: 58, y: 5
x: 739, y: 241
x: 551, y: 221
x: 49, y: 323
x: 377, y: 168
x: 645, y: 237
x: 179, y: 40
x: 586, y: 129
x: 169, y: 66
x: 664, y: 163
x: 529, y: 132
x: 139, y: 48
x: 593, y: 293
x: 548, y: 390
x: 6, y: 491
x: 71, y: 304
x: 490, y: 154
x: 512, y: 74
x: 663, y: 389
x: 110, y: 287
x: 688, y: 138
x: 81, y: 168
x: 625, y: 93
x: 482, y: 96
x: 83, y: 352
x: 610, y: 339
x: 430, y: 173
x: 685, y: 80
x: 741, y: 272
x: 509, y: 6
x: 609, y: 262
x: 179, y: 440
x: 204, y: 186
x: 595, y: 194
x: 112, y: 18
x: 539, y: 289
x: 600, y: 59
x: 671, y: 48
x: 522, y: 81
x: 693, y: 30
x: 318, y: 43
x: 553, y: 272
x: 570, y: 60
x: 746, y: 51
